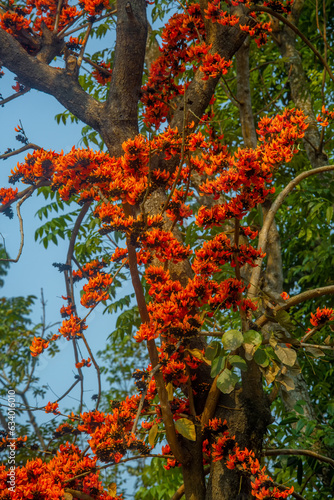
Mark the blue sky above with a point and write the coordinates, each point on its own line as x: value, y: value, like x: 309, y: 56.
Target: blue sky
x: 34, y: 271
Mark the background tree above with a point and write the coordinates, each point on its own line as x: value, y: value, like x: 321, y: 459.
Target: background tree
x: 183, y: 202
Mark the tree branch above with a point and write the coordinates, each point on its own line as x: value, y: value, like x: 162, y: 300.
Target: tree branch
x: 263, y: 237
x: 308, y: 453
x: 38, y: 75
x: 297, y: 299
x: 20, y: 150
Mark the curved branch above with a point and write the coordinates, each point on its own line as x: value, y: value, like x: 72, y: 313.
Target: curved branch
x: 258, y: 8
x: 20, y: 150
x: 308, y: 453
x: 38, y: 75
x: 297, y: 299
x: 263, y: 237
x: 19, y: 203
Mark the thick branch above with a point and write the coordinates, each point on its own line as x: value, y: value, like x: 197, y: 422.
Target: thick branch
x: 38, y: 75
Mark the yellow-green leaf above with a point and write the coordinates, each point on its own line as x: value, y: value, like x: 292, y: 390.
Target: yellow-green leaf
x: 153, y: 434
x: 169, y: 389
x: 186, y: 428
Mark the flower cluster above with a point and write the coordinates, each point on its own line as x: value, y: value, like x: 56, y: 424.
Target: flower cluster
x: 322, y: 316
x: 325, y: 117
x: 7, y: 195
x: 40, y: 479
x: 52, y: 408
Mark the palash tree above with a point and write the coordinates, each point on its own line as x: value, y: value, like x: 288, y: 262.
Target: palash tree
x: 192, y: 203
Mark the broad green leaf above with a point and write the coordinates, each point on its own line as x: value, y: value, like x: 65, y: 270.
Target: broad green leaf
x: 238, y: 362
x: 199, y: 355
x: 226, y: 381
x: 186, y: 428
x: 284, y: 319
x: 261, y: 358
x: 213, y: 350
x: 232, y: 339
x: 252, y: 337
x: 153, y: 434
x: 217, y: 365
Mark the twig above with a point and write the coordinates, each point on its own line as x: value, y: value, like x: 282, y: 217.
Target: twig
x: 308, y: 453
x: 97, y: 368
x: 19, y: 203
x: 63, y: 32
x: 141, y: 403
x: 79, y: 60
x: 14, y: 96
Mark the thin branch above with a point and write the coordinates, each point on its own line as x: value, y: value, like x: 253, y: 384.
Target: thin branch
x: 97, y: 368
x: 14, y: 96
x: 294, y: 493
x: 141, y: 403
x: 59, y: 6
x: 79, y: 60
x: 308, y: 453
x: 63, y: 32
x: 20, y: 150
x: 263, y: 237
x: 19, y: 203
x: 167, y: 416
x: 211, y: 403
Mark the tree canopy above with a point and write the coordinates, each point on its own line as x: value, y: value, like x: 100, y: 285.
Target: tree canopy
x: 206, y: 180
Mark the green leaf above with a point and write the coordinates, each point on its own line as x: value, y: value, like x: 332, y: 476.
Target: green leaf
x: 186, y: 428
x: 284, y: 319
x: 329, y: 214
x: 232, y: 339
x: 252, y: 337
x: 213, y: 350
x: 261, y: 358
x: 217, y: 365
x: 238, y: 362
x: 226, y: 381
